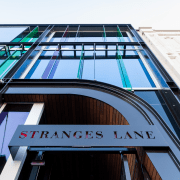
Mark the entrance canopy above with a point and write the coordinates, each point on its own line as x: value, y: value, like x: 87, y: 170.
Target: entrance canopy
x: 52, y: 136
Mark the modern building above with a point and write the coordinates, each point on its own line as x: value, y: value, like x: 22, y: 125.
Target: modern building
x: 85, y: 101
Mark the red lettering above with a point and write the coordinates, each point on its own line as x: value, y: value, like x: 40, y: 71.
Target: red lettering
x: 23, y: 135
x: 34, y: 132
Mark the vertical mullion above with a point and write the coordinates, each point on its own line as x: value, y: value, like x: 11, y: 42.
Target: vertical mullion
x: 77, y: 33
x: 104, y: 33
x: 122, y: 70
x: 81, y: 64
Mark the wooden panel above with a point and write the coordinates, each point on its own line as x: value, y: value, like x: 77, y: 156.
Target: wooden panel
x: 73, y: 109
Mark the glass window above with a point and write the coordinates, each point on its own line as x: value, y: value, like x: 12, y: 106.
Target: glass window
x: 7, y: 34
x: 38, y: 69
x: 90, y: 39
x: 112, y: 39
x: 107, y: 71
x: 165, y: 165
x: 88, y: 69
x: 12, y: 116
x: 47, y: 54
x: 155, y: 70
x: 137, y: 73
x: 99, y: 50
x: 88, y: 53
x: 156, y: 101
x: 111, y: 53
x: 67, y: 69
x: 66, y: 52
x: 55, y: 39
x: 9, y: 62
x: 71, y: 39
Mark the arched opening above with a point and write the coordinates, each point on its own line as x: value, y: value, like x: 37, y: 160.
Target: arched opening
x: 84, y: 110
x: 92, y: 105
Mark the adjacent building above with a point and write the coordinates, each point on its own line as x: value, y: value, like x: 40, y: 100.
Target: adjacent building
x: 165, y: 44
x: 86, y: 101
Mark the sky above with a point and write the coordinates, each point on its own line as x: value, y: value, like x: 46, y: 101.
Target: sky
x: 158, y: 14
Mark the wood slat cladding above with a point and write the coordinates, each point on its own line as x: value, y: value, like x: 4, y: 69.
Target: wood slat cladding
x: 73, y: 109
x: 135, y: 169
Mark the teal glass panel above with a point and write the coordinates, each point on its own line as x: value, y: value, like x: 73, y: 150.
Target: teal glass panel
x: 10, y: 62
x: 122, y: 71
x: 12, y: 59
x: 81, y: 64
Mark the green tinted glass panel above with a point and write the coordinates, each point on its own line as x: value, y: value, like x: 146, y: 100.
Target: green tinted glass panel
x: 81, y: 63
x: 12, y: 59
x: 122, y: 71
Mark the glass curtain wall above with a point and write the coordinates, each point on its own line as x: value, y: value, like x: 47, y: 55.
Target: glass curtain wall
x: 119, y: 65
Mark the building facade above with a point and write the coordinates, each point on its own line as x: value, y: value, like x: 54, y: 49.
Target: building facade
x: 85, y: 102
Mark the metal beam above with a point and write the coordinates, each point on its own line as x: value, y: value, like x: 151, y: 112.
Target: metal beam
x: 113, y: 150
x: 69, y: 43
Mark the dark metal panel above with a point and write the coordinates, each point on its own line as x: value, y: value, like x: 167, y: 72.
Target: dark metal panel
x: 174, y: 107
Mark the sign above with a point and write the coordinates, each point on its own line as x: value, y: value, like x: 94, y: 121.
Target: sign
x: 86, y: 135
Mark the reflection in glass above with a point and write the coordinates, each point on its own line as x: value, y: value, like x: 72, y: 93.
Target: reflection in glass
x: 7, y: 34
x: 107, y: 71
x: 67, y: 69
x: 12, y: 116
x: 137, y: 73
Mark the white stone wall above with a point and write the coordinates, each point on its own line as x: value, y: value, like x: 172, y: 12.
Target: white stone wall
x: 165, y: 44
